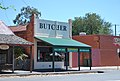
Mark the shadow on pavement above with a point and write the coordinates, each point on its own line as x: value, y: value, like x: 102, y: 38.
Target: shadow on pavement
x: 50, y: 70
x: 6, y: 72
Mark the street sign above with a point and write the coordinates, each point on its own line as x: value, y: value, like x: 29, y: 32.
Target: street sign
x: 84, y: 50
x: 59, y: 49
x: 72, y: 49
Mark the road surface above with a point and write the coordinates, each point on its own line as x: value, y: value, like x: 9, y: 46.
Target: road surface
x: 112, y: 75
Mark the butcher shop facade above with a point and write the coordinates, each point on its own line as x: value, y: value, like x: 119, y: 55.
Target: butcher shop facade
x: 53, y: 43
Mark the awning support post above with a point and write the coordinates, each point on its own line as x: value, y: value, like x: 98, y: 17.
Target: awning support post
x: 31, y: 59
x: 90, y: 59
x: 78, y: 60
x: 53, y: 63
x: 13, y: 60
x: 66, y: 61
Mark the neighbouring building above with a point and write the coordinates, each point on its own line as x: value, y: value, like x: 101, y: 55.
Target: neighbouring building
x: 53, y: 43
x: 8, y: 41
x: 105, y: 49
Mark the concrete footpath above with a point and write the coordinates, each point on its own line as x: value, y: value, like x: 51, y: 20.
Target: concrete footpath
x: 21, y: 73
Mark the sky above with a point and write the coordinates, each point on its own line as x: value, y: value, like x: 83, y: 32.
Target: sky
x: 62, y: 10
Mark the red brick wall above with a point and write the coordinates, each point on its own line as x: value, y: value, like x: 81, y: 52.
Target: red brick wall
x: 28, y: 35
x: 108, y: 51
x: 21, y: 34
x: 75, y: 58
x: 96, y: 57
x: 108, y: 57
x: 106, y: 42
x: 30, y: 30
x: 104, y: 52
x: 92, y: 40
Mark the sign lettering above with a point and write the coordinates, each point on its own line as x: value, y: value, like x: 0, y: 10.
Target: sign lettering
x: 48, y: 28
x: 116, y: 41
x: 84, y: 50
x: 59, y: 49
x: 52, y: 27
x: 72, y: 50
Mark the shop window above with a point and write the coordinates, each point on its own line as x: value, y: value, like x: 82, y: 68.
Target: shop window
x: 2, y: 58
x: 48, y: 57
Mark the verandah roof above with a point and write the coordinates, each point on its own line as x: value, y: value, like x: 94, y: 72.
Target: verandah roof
x: 8, y: 37
x: 13, y: 39
x: 63, y: 42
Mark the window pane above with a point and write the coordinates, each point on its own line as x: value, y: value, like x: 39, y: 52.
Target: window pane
x: 48, y: 56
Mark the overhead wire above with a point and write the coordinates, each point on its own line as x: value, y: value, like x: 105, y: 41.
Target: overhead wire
x: 25, y: 3
x: 5, y: 12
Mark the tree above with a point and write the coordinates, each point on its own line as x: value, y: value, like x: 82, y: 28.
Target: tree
x: 91, y: 24
x: 5, y: 8
x: 2, y: 7
x: 24, y: 16
x: 20, y: 57
x: 19, y: 51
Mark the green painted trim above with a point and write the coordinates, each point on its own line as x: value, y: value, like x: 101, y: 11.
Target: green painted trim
x: 59, y: 49
x: 72, y: 49
x: 84, y: 50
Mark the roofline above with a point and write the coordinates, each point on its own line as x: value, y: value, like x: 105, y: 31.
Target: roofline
x: 17, y: 44
x: 90, y: 35
x: 19, y: 26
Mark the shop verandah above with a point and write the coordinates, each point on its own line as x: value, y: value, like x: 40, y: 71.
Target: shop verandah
x: 7, y: 51
x: 58, y: 50
x: 8, y: 41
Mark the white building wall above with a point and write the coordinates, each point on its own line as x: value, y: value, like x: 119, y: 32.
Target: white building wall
x: 48, y: 65
x: 48, y: 28
x: 44, y: 65
x: 35, y: 53
x: 63, y: 31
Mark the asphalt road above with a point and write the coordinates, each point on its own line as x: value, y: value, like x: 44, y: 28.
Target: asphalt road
x: 113, y: 75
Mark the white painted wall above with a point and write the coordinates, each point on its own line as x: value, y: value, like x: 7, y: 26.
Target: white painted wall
x: 48, y: 65
x: 44, y: 65
x: 70, y: 59
x: 49, y: 33
x: 51, y: 29
x: 35, y: 53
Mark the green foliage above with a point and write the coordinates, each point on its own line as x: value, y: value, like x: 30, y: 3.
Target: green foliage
x: 5, y: 8
x: 18, y: 51
x: 91, y: 24
x: 24, y: 16
x: 22, y: 57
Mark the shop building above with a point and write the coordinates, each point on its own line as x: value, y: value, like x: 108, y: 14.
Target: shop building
x: 105, y: 49
x: 8, y: 41
x: 53, y: 43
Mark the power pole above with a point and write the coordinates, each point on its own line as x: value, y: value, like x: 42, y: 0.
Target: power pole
x: 115, y: 29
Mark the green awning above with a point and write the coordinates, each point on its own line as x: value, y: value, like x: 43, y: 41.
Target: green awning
x: 62, y: 42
